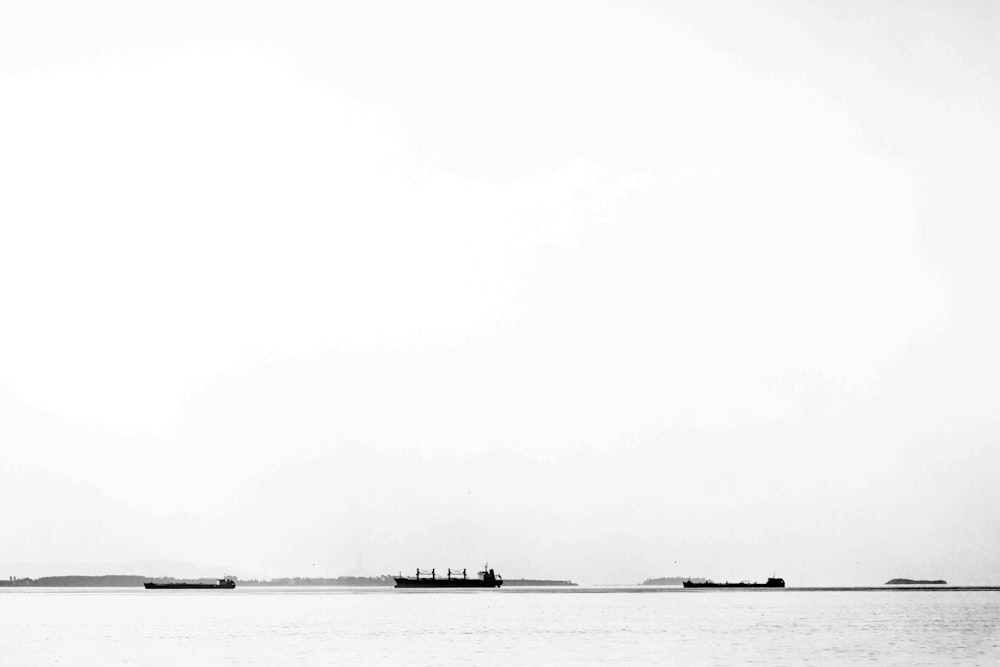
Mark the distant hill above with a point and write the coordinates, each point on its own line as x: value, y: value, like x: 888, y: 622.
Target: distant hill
x: 900, y: 582
x: 138, y: 580
x: 381, y: 580
x: 99, y: 580
x: 126, y: 580
x: 129, y: 580
x: 671, y: 581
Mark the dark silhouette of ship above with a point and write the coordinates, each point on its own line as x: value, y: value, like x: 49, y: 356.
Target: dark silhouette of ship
x: 772, y: 582
x: 221, y: 584
x: 454, y: 579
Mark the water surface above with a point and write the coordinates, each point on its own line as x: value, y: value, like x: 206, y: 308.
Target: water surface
x: 572, y: 626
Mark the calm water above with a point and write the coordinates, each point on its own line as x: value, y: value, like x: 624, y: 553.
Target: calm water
x: 323, y: 626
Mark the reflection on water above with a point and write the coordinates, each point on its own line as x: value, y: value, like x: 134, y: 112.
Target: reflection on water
x: 323, y: 626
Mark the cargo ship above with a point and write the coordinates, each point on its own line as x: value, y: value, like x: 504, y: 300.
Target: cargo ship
x: 487, y: 578
x: 221, y: 584
x: 772, y: 582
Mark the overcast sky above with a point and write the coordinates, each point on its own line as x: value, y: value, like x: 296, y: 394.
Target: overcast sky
x: 599, y: 291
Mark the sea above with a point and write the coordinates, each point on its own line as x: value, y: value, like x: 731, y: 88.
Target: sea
x: 103, y: 627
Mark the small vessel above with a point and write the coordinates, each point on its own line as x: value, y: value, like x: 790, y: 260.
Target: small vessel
x: 221, y: 584
x: 772, y: 582
x: 487, y: 578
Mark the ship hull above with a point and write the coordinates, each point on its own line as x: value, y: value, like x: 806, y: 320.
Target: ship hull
x: 409, y: 582
x: 691, y: 584
x: 183, y: 587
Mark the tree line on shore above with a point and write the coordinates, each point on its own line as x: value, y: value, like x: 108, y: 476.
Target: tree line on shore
x: 671, y: 581
x: 139, y: 580
x: 126, y: 580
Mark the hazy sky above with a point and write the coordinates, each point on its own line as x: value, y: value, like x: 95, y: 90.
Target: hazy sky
x: 598, y: 291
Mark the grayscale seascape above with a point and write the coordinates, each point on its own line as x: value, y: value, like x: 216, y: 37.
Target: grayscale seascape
x: 534, y: 332
x: 585, y: 626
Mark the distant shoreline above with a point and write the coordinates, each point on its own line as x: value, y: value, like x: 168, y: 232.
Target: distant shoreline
x: 671, y: 581
x: 537, y: 582
x: 128, y: 580
x: 119, y: 580
x: 386, y: 581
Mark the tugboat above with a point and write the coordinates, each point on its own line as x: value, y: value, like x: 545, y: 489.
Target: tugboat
x: 487, y: 578
x: 772, y: 582
x: 226, y: 583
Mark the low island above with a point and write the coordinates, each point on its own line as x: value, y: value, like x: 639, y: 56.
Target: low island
x: 92, y: 581
x: 128, y: 580
x: 918, y: 582
x: 671, y: 581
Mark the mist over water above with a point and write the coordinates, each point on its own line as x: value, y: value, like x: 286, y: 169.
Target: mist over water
x: 90, y: 627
